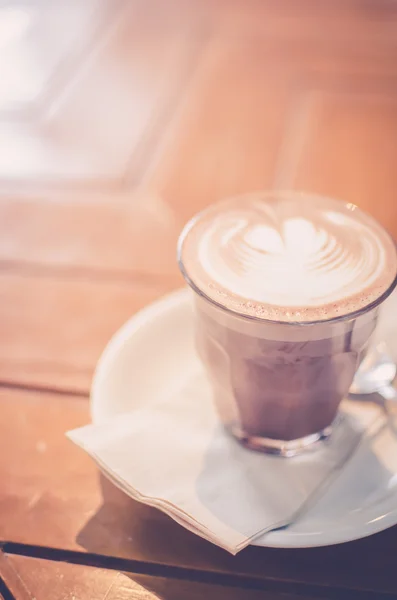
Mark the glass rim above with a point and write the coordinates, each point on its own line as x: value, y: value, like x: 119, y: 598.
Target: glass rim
x: 337, y: 319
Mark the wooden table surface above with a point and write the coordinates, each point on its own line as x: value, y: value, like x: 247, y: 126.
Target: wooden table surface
x: 118, y: 120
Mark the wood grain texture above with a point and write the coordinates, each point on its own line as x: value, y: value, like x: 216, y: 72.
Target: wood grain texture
x: 54, y: 328
x: 169, y: 589
x: 31, y: 579
x: 279, y: 108
x: 348, y: 149
x: 112, y: 236
x: 48, y: 488
x: 222, y: 142
x: 342, y: 42
x: 216, y: 99
x: 34, y: 578
x: 11, y: 582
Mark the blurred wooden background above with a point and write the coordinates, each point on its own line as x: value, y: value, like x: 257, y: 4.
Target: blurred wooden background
x: 119, y: 119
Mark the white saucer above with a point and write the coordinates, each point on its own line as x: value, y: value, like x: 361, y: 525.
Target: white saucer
x: 155, y: 348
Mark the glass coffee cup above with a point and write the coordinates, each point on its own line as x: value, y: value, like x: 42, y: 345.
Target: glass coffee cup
x: 281, y: 357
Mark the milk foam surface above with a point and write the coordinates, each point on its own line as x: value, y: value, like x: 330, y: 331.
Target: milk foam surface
x: 288, y: 257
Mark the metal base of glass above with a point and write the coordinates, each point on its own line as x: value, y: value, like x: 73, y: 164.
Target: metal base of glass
x: 282, y: 448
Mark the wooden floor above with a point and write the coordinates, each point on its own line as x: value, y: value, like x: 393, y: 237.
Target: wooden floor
x: 119, y: 119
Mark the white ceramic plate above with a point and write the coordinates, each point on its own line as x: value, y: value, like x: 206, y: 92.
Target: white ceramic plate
x: 155, y: 348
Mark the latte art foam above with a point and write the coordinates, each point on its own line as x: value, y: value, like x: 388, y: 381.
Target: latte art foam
x: 288, y: 258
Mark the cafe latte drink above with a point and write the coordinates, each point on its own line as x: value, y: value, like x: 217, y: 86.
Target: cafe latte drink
x: 287, y: 292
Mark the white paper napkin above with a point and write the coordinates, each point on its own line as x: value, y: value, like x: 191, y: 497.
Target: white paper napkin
x: 175, y: 456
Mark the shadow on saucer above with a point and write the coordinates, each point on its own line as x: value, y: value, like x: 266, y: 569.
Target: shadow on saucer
x: 363, y: 482
x: 390, y: 414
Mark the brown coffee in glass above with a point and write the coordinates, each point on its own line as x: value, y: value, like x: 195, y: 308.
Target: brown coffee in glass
x: 287, y: 291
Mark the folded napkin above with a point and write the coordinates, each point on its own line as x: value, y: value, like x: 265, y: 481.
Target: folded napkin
x: 175, y: 456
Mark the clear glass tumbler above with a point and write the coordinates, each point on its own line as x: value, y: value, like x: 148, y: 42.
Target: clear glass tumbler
x: 278, y: 385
